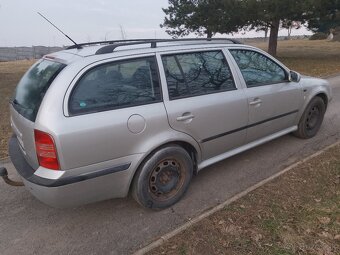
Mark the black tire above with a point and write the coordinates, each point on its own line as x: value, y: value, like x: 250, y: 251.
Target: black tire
x: 163, y: 178
x: 311, y: 119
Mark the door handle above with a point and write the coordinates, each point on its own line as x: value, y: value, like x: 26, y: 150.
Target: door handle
x: 185, y: 117
x: 256, y: 101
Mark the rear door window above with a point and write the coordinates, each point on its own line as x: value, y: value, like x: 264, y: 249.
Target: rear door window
x: 116, y: 85
x: 197, y: 73
x: 33, y: 86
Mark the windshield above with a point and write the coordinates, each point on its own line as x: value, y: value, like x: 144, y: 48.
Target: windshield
x: 33, y: 86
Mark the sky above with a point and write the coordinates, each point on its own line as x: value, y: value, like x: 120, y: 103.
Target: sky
x: 85, y: 20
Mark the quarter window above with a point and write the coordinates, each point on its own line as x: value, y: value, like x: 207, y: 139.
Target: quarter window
x: 198, y: 73
x: 117, y: 85
x: 257, y: 69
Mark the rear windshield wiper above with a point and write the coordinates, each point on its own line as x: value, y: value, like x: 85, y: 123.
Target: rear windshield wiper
x: 15, y: 102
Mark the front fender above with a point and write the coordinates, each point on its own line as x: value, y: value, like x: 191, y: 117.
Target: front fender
x: 313, y: 87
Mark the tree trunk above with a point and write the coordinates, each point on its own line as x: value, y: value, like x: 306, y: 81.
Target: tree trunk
x: 290, y: 28
x: 274, y: 33
x: 209, y: 34
x: 266, y: 33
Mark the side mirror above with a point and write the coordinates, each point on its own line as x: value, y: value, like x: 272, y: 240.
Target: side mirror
x: 294, y: 76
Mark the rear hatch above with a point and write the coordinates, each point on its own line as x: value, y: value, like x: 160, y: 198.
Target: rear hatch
x: 26, y: 102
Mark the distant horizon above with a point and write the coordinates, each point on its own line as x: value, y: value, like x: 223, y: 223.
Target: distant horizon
x: 226, y: 37
x: 84, y: 20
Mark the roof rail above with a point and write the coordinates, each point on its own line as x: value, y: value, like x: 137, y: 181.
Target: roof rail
x: 153, y: 42
x: 106, y: 42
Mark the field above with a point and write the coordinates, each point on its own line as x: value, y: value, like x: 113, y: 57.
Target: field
x: 316, y: 58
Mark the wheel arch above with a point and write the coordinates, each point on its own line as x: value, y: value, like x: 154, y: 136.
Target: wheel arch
x: 317, y: 92
x: 324, y: 97
x: 193, y: 151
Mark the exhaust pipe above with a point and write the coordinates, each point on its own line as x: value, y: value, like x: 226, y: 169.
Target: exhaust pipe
x: 4, y: 175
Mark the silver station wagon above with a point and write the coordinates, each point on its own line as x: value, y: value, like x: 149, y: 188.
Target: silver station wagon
x: 105, y: 119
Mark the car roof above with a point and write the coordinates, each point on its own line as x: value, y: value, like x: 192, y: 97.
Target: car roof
x: 119, y: 48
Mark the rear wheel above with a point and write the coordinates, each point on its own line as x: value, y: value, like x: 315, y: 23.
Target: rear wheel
x: 163, y: 178
x: 311, y: 119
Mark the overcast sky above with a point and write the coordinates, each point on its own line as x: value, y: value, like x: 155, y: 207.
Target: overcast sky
x: 83, y: 20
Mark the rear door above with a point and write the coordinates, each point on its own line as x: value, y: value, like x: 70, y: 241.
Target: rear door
x: 274, y: 102
x: 114, y: 108
x: 202, y: 99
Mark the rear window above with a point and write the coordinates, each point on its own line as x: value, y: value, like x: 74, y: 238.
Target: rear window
x: 197, y: 73
x: 33, y: 86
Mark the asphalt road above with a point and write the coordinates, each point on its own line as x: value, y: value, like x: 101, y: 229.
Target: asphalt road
x: 121, y: 227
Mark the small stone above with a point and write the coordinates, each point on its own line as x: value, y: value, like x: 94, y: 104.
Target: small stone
x: 324, y: 220
x: 326, y: 235
x: 288, y: 228
x: 221, y: 222
x: 326, y: 210
x: 337, y: 237
x: 256, y: 237
x: 233, y: 230
x: 337, y: 180
x: 242, y: 206
x: 308, y: 231
x: 230, y: 229
x: 318, y: 200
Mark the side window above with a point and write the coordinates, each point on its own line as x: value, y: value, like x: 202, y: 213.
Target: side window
x: 198, y: 73
x: 258, y: 69
x: 116, y: 85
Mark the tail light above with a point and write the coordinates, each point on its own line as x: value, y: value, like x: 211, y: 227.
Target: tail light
x: 46, y: 150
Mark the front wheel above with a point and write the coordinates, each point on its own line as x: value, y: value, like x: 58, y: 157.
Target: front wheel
x: 311, y: 119
x: 163, y: 178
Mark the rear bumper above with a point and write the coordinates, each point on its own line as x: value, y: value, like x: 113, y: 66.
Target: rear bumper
x: 73, y: 190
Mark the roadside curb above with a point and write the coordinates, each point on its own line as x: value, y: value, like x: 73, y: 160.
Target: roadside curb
x: 219, y: 207
x: 331, y: 76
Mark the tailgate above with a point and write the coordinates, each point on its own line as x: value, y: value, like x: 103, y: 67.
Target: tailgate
x: 24, y: 130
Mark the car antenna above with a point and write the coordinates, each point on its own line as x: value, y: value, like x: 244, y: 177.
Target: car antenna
x: 77, y: 45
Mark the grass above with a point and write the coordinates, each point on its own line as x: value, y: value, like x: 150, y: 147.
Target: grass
x: 315, y: 58
x: 298, y: 213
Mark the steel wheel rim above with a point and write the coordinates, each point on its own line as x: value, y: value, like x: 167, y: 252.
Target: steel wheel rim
x: 313, y: 118
x: 166, y: 179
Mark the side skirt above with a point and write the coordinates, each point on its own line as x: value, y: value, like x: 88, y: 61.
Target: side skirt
x: 243, y: 148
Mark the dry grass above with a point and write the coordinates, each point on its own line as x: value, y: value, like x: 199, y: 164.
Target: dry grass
x: 298, y: 213
x: 315, y: 58
x: 10, y: 74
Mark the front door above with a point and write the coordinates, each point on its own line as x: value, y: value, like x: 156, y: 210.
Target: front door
x: 274, y: 102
